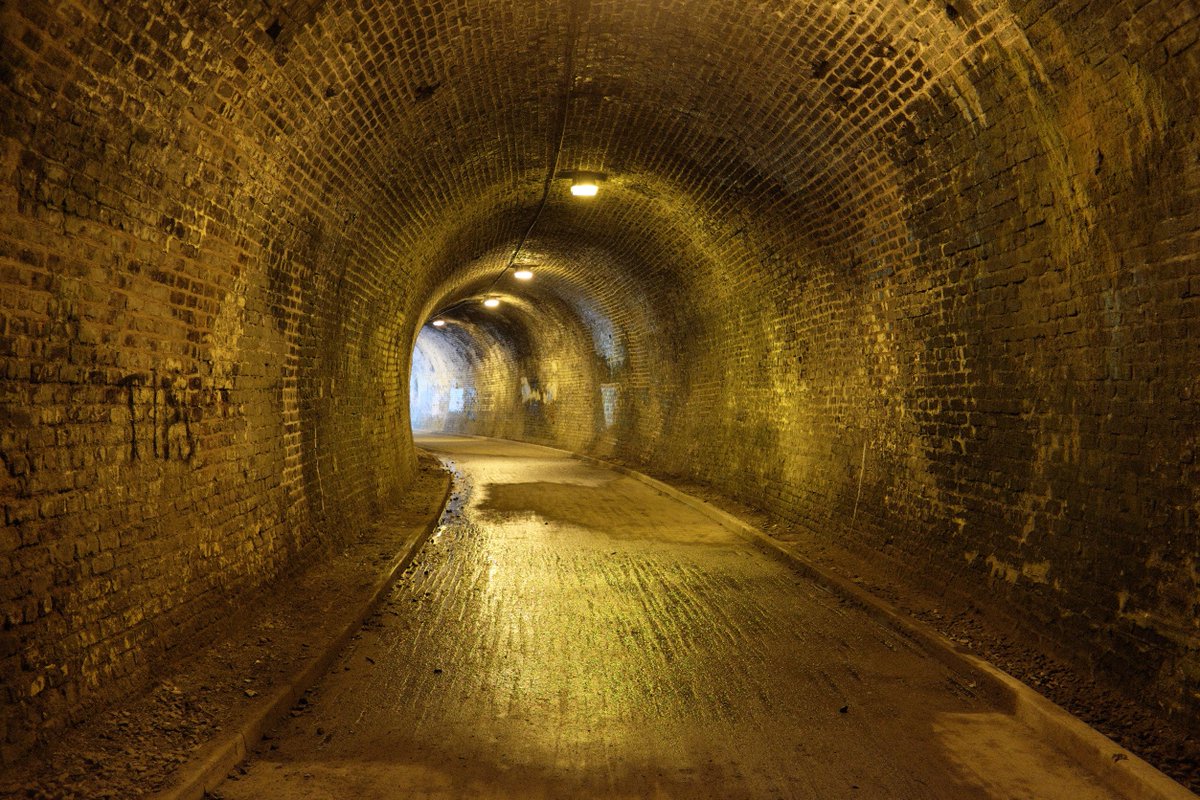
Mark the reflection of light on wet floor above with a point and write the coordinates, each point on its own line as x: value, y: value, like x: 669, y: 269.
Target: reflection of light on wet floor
x: 572, y: 632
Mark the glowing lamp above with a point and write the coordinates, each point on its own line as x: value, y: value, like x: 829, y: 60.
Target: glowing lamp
x: 584, y: 187
x: 492, y: 302
x: 523, y: 274
x: 437, y: 323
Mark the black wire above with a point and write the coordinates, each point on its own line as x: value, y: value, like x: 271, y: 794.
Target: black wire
x: 568, y: 81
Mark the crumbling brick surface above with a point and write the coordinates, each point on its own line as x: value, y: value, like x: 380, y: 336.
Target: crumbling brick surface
x: 918, y: 275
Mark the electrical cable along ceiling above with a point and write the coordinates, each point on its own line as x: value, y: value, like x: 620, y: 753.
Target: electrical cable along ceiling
x: 717, y: 121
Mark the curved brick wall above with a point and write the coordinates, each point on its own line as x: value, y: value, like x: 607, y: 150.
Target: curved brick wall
x: 922, y: 276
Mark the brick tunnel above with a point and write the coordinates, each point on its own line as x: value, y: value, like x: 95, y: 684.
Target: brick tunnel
x: 915, y: 282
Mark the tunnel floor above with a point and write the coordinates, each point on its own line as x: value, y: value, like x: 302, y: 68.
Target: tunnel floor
x: 575, y: 633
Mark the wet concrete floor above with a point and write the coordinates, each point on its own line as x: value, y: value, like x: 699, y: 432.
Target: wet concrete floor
x: 574, y: 633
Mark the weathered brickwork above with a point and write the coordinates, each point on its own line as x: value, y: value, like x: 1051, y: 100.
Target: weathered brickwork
x: 950, y: 316
x: 921, y: 276
x: 195, y: 380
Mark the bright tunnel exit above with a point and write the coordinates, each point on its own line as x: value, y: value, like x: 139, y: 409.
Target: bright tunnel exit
x: 441, y: 388
x: 546, y: 366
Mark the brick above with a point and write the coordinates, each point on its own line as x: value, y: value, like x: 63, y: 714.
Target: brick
x: 918, y: 290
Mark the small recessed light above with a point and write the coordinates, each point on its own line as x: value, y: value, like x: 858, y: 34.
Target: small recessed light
x: 523, y: 274
x: 492, y: 302
x: 585, y: 187
x: 437, y: 323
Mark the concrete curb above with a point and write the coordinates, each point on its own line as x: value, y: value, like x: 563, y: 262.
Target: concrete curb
x: 1118, y: 767
x: 208, y: 769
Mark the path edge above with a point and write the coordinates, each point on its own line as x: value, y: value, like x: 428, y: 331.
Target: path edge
x: 1122, y: 769
x: 209, y: 768
x: 1126, y: 771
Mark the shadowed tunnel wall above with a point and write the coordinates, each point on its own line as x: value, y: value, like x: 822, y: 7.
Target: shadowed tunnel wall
x: 919, y: 276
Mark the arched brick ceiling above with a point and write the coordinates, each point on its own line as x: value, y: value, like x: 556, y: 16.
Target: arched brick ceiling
x: 918, y: 275
x: 752, y: 135
x: 426, y: 119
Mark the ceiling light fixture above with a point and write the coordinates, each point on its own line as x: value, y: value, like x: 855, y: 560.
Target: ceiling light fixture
x: 523, y: 274
x: 437, y: 323
x: 585, y: 185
